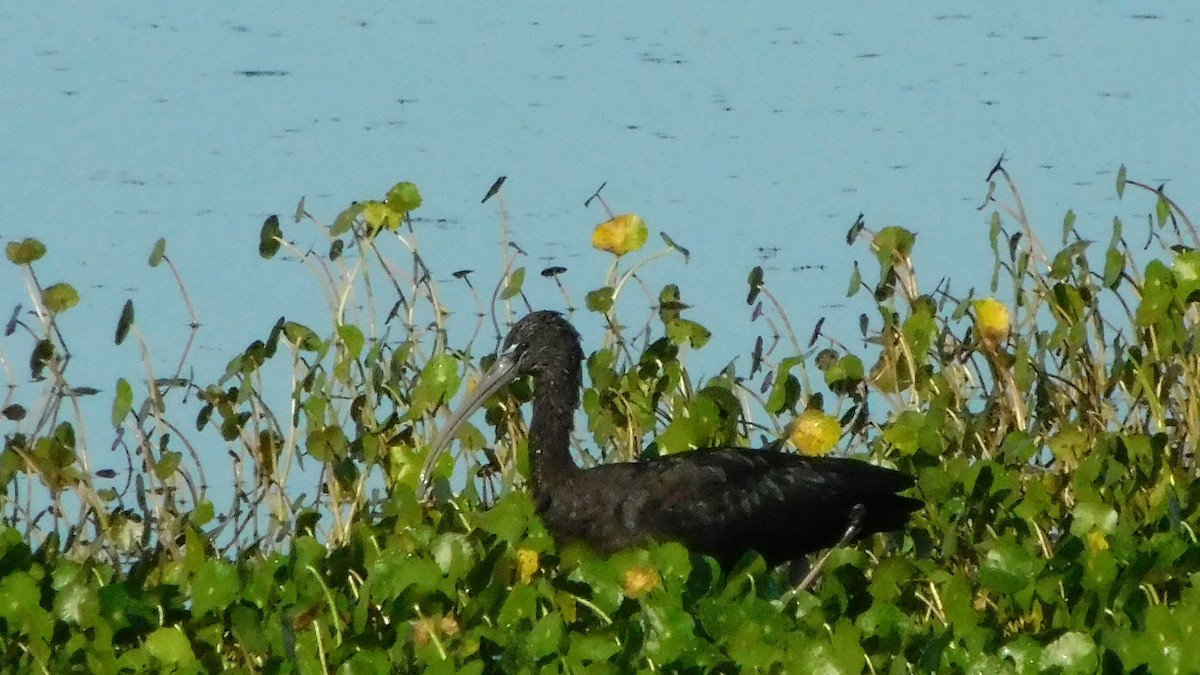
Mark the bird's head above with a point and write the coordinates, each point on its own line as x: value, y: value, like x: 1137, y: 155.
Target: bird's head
x: 543, y: 344
x: 539, y: 344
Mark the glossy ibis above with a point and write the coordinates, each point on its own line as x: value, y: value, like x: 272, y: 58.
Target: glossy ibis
x: 718, y: 501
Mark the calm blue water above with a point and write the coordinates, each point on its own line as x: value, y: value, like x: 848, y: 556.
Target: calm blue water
x: 752, y: 134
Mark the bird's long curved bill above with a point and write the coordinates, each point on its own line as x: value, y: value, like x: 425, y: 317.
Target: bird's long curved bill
x: 503, y: 371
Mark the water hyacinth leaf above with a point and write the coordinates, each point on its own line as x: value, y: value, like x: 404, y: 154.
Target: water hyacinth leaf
x: 438, y: 382
x: 845, y: 375
x: 1162, y: 209
x: 600, y: 300
x: 122, y: 402
x: 621, y: 234
x: 124, y: 322
x: 269, y: 237
x: 24, y: 252
x: 327, y: 443
x: 403, y: 197
x: 544, y: 638
x: 301, y: 336
x: 272, y: 342
x: 158, y: 252
x: 170, y: 647
x: 345, y: 219
x: 379, y: 216
x: 14, y: 412
x: 1121, y: 182
x: 756, y: 281
x: 352, y: 338
x: 11, y: 326
x: 687, y: 255
x: 494, y: 189
x: 205, y: 511
x: 856, y: 281
x: 1157, y: 294
x: 1187, y: 276
x: 1114, y: 267
x: 1072, y: 652
x: 1008, y: 567
x: 892, y: 244
x: 42, y: 352
x: 684, y: 331
x: 214, y: 587
x: 1068, y: 225
x: 167, y: 464
x: 512, y: 285
x: 60, y: 297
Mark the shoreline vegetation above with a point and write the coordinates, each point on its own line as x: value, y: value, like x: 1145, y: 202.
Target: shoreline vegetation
x: 1051, y: 423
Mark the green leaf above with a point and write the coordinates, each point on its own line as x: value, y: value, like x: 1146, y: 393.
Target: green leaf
x: 403, y: 197
x: 1072, y: 652
x: 1157, y: 294
x: 269, y: 237
x: 379, y: 216
x: 1093, y: 515
x: 1187, y: 276
x: 1121, y: 182
x: 513, y: 283
x: 345, y: 219
x: 214, y: 587
x: 158, y: 252
x: 124, y: 322
x: 301, y: 336
x: 687, y: 255
x: 845, y: 375
x: 543, y: 639
x: 60, y: 297
x: 352, y: 338
x: 1114, y: 266
x: 170, y: 646
x: 24, y: 252
x: 1068, y: 225
x: 856, y: 281
x: 394, y: 572
x: 167, y: 464
x: 600, y: 300
x: 18, y: 591
x: 1008, y: 567
x: 204, y: 513
x: 891, y: 245
x: 1162, y: 209
x: 122, y: 402
x: 685, y: 331
x: 438, y: 382
x: 327, y: 443
x: 756, y: 282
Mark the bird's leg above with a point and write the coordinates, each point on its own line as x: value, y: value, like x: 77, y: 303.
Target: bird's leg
x: 852, y: 530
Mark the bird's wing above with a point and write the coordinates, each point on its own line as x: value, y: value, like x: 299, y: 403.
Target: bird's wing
x: 780, y: 503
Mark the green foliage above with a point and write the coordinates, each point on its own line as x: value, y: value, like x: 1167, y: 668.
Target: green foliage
x: 1052, y: 442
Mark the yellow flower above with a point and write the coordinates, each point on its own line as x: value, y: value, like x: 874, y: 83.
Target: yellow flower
x: 527, y: 564
x: 1096, y: 541
x: 814, y: 433
x: 620, y: 235
x: 992, y: 320
x: 640, y: 580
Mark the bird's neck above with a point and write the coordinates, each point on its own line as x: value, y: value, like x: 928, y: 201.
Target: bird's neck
x: 555, y: 400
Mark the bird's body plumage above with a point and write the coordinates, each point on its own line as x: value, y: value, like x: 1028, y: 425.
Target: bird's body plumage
x: 719, y: 501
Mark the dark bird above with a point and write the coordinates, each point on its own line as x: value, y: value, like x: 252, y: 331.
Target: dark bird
x: 719, y: 501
